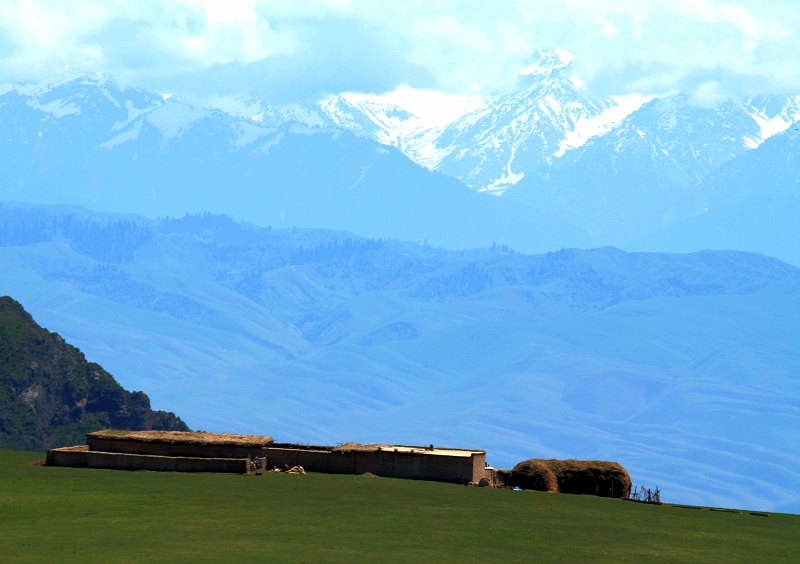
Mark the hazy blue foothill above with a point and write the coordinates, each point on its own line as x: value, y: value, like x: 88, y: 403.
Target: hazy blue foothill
x: 681, y: 366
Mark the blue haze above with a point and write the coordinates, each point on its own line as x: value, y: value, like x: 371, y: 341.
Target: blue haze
x: 681, y: 367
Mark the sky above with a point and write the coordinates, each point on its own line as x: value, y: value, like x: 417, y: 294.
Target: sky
x: 297, y: 50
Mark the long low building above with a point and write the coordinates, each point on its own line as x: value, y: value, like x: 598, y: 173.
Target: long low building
x: 180, y: 443
x: 213, y: 452
x: 393, y: 461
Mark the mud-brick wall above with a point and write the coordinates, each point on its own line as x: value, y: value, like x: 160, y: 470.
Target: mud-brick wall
x: 383, y: 463
x: 479, y: 469
x: 67, y: 456
x: 119, y: 461
x: 430, y: 466
x: 354, y: 463
x: 310, y: 460
x: 103, y: 444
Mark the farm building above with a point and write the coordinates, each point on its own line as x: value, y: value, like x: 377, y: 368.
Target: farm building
x: 210, y: 452
x: 166, y: 451
x: 393, y: 461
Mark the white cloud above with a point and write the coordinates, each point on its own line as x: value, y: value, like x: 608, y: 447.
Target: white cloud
x: 461, y: 46
x: 708, y: 94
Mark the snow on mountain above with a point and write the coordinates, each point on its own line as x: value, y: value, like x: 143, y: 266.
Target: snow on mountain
x: 496, y: 143
x: 587, y: 127
x: 515, y: 135
x: 526, y: 133
x: 773, y: 115
x: 375, y: 118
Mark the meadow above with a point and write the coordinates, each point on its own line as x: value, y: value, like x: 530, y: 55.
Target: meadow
x: 73, y: 514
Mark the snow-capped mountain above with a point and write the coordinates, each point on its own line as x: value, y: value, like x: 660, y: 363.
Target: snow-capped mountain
x: 572, y: 171
x: 534, y: 131
x: 647, y: 172
x: 87, y: 142
x: 496, y: 144
x: 516, y: 135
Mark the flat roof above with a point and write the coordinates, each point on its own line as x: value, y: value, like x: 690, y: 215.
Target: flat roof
x: 353, y: 447
x: 183, y: 437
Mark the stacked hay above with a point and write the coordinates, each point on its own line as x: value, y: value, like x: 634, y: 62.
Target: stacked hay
x: 533, y: 474
x: 595, y: 477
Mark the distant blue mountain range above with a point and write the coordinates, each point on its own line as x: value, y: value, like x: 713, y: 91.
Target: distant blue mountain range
x: 683, y: 367
x: 671, y: 176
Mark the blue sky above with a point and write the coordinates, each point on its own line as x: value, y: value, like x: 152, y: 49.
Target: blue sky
x: 300, y: 50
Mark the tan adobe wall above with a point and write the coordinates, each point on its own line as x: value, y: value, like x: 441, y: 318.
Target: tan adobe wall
x: 479, y: 469
x: 83, y: 457
x: 426, y: 466
x: 310, y: 460
x: 102, y: 444
x: 67, y: 456
x: 386, y: 463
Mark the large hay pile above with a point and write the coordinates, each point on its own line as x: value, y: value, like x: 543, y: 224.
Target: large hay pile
x: 181, y: 437
x: 595, y: 477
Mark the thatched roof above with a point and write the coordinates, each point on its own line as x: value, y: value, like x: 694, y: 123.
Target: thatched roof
x: 184, y: 437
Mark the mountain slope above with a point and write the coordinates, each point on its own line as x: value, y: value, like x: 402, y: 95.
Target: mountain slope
x: 751, y: 204
x: 648, y: 172
x: 682, y: 367
x: 50, y: 396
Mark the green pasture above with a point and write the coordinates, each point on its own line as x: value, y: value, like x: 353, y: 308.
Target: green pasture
x: 72, y: 514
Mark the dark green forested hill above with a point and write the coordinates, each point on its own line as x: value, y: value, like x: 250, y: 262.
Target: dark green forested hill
x: 51, y: 396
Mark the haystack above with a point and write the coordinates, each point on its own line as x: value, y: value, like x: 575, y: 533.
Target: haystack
x: 533, y: 474
x: 595, y: 477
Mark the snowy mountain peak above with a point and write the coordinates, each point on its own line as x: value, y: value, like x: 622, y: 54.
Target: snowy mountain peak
x: 547, y: 61
x: 494, y: 144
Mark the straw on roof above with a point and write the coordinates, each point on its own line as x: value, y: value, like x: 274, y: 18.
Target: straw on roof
x: 405, y: 449
x: 355, y: 447
x: 184, y: 437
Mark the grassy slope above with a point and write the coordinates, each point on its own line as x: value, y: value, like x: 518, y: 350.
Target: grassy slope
x: 60, y: 514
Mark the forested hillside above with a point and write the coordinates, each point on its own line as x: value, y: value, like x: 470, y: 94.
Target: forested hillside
x: 51, y: 396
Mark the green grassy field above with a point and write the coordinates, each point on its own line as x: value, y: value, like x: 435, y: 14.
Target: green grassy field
x: 72, y: 514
